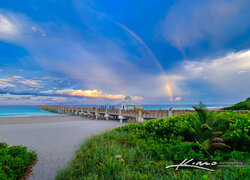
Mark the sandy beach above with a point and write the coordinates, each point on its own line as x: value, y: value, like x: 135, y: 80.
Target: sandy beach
x: 54, y: 138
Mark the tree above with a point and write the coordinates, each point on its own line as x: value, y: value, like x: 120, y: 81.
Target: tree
x: 207, y: 128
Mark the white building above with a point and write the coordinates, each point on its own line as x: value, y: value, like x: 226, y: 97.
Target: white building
x: 128, y: 104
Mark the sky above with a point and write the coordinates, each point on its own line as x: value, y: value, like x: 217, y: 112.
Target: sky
x: 98, y: 52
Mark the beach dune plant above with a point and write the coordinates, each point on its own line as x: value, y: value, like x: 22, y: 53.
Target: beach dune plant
x: 207, y: 128
x: 143, y: 150
x: 15, y: 161
x: 244, y: 105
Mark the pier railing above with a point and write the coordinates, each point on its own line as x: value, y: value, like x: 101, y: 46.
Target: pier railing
x: 137, y: 115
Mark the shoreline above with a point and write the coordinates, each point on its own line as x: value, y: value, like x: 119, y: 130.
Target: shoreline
x: 46, y: 115
x: 30, y: 119
x: 54, y: 114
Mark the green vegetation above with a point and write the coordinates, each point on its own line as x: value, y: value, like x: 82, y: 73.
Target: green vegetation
x: 15, y: 161
x: 244, y: 105
x: 142, y: 151
x: 206, y: 127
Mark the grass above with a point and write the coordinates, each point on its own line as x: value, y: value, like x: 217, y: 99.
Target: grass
x: 98, y: 158
x: 143, y: 150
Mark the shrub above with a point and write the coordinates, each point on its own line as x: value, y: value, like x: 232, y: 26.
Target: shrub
x: 244, y: 105
x: 145, y: 149
x: 237, y: 135
x: 15, y: 161
x: 207, y: 127
x: 162, y: 127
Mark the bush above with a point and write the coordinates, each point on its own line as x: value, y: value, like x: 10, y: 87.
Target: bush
x: 145, y: 149
x: 162, y: 128
x: 237, y: 136
x: 244, y: 105
x: 15, y: 161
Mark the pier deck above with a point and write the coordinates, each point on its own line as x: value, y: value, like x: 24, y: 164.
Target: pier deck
x: 137, y: 115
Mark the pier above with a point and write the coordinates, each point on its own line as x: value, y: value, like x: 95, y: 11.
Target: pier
x: 137, y: 115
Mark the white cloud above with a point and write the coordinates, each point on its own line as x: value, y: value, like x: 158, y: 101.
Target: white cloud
x: 8, y: 27
x: 93, y: 94
x: 17, y: 80
x: 227, y: 75
x: 224, y: 66
x: 18, y: 28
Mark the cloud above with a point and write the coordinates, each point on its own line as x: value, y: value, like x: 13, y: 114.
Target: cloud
x: 220, y: 76
x: 96, y: 62
x: 41, y: 31
x: 171, y: 85
x: 219, y: 67
x: 190, y: 22
x: 7, y: 27
x: 88, y: 59
x: 92, y: 93
x: 222, y: 73
x: 16, y: 81
x: 13, y: 99
x: 177, y: 99
x: 11, y: 26
x: 17, y: 28
x: 137, y: 98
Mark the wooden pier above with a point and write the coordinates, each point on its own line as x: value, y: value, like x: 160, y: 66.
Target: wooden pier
x: 138, y: 115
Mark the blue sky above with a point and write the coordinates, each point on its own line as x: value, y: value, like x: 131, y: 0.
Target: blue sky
x: 97, y: 52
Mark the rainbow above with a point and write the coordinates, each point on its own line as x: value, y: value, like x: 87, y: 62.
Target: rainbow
x: 169, y: 88
x: 142, y: 43
x: 170, y: 92
x: 179, y: 47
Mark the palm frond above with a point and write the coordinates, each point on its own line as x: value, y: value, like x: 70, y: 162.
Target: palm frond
x: 219, y: 146
x: 206, y: 126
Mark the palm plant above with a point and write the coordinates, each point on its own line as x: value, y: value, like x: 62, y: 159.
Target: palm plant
x: 207, y: 128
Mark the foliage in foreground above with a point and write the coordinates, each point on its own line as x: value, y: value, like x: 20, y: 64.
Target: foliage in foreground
x: 207, y: 128
x: 244, y: 105
x: 15, y: 161
x: 142, y: 151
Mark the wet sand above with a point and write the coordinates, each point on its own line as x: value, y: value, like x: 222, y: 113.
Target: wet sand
x: 54, y: 138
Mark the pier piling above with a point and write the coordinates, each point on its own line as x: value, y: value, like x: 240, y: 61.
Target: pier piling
x: 136, y: 114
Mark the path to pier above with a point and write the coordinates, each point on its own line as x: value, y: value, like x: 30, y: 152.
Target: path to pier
x: 54, y: 138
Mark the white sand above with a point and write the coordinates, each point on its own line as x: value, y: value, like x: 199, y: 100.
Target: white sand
x: 54, y: 138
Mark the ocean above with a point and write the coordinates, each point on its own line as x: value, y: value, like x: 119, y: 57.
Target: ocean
x: 17, y: 111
